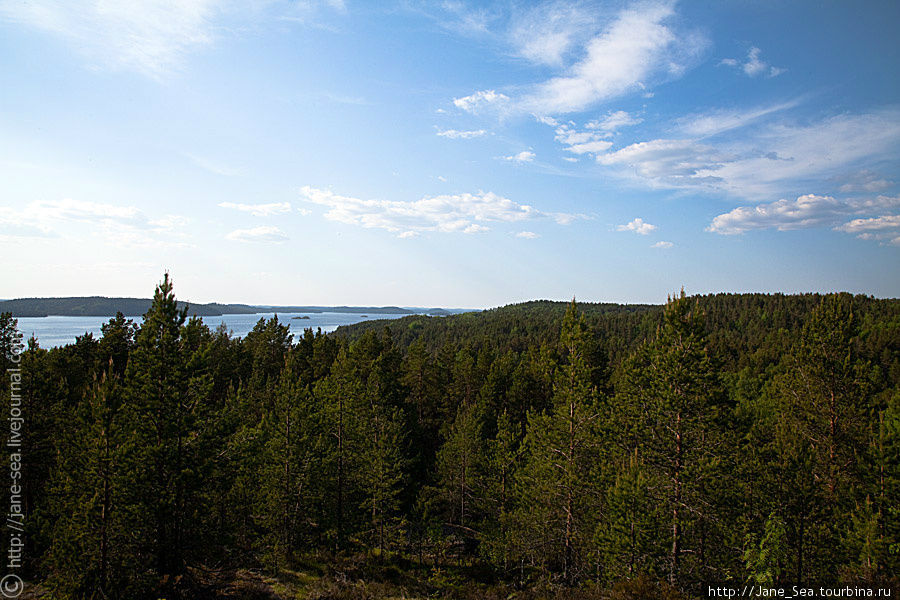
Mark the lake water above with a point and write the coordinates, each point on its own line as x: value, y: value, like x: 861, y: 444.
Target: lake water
x: 59, y: 331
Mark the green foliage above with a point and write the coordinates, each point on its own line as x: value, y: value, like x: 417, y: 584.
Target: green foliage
x: 766, y: 558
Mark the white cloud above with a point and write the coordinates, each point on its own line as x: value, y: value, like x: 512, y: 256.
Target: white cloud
x: 638, y: 226
x: 864, y: 181
x: 613, y: 121
x: 265, y: 234
x: 754, y: 66
x: 259, y: 210
x: 461, y: 213
x: 636, y: 47
x: 872, y: 224
x: 806, y: 211
x: 454, y: 134
x: 151, y: 37
x: 528, y: 235
x: 547, y: 120
x: 79, y: 210
x: 672, y: 163
x: 459, y: 18
x: 662, y: 245
x: 715, y: 122
x: 522, y: 157
x: 883, y: 228
x: 590, y: 147
x: 581, y: 142
x: 545, y: 33
x: 480, y: 100
x: 768, y: 161
x: 111, y: 223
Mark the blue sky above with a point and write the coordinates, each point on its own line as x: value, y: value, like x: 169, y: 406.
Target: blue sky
x: 448, y: 153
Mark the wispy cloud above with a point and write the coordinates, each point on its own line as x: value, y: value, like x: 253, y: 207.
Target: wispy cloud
x: 774, y: 159
x: 715, y: 122
x: 112, y: 223
x: 753, y: 66
x: 864, y: 180
x: 457, y: 213
x: 458, y: 17
x: 213, y: 167
x: 614, y: 121
x: 669, y: 163
x: 806, y: 211
x: 637, y: 226
x: 576, y: 141
x: 150, y: 37
x: 662, y: 245
x: 481, y: 100
x: 545, y: 33
x: 455, y: 134
x: 263, y: 234
x: 259, y: 210
x: 528, y: 235
x: 522, y: 157
x: 639, y: 46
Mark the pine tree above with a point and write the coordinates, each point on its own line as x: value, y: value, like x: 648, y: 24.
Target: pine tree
x: 459, y: 463
x: 561, y: 456
x: 341, y: 397
x: 822, y: 395
x: 382, y: 444
x: 167, y: 393
x: 627, y: 538
x: 667, y: 411
x: 503, y: 453
x: 92, y: 553
x: 290, y: 467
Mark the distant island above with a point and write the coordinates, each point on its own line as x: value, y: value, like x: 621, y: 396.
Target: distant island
x: 101, y: 306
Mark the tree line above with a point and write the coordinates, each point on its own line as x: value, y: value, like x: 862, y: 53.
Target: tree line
x: 719, y: 438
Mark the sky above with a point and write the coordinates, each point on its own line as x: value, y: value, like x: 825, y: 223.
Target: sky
x: 459, y: 154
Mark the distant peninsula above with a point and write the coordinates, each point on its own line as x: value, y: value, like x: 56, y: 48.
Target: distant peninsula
x: 101, y: 306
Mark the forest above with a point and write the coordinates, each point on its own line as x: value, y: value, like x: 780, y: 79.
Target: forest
x: 539, y: 450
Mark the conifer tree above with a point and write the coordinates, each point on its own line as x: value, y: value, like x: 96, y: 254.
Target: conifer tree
x: 91, y: 552
x: 382, y: 445
x: 627, y: 538
x: 667, y: 410
x: 290, y: 467
x: 168, y: 389
x: 561, y: 446
x: 822, y: 393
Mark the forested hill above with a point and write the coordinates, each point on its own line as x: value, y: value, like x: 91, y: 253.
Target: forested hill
x: 101, y: 306
x: 590, y: 451
x: 742, y: 329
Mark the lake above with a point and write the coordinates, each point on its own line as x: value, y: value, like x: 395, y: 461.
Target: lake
x: 59, y: 331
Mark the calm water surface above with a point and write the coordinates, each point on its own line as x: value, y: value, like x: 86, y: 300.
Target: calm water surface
x: 59, y: 331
